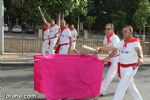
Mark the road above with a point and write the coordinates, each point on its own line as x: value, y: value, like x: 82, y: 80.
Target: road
x: 18, y: 80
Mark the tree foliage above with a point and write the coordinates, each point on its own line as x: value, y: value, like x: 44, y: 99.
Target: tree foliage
x: 27, y: 9
x: 142, y: 13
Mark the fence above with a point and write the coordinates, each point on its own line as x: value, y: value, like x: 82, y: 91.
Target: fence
x: 18, y: 45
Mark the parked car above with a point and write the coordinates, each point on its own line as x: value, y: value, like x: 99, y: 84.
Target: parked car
x: 6, y: 29
x: 17, y: 29
x: 30, y: 31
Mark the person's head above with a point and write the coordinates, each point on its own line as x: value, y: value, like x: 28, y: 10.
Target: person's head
x: 109, y: 28
x: 45, y: 26
x: 63, y: 23
x: 127, y: 31
x: 52, y: 21
x: 71, y: 26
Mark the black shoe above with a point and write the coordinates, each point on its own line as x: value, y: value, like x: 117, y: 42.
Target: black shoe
x: 102, y: 95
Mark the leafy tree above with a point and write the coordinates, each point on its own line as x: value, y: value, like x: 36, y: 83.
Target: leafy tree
x: 142, y: 14
x: 118, y: 19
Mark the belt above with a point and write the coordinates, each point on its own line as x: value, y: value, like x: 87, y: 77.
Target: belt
x: 116, y: 55
x: 53, y: 37
x: 50, y: 39
x: 58, y: 47
x: 133, y: 65
x: 74, y: 41
x: 109, y: 63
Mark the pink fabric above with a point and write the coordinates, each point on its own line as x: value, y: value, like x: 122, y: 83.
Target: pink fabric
x: 68, y: 76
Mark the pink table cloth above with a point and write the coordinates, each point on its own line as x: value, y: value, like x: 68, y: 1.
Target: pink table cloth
x: 68, y: 76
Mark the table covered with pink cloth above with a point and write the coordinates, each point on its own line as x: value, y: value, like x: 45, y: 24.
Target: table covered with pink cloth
x: 68, y: 76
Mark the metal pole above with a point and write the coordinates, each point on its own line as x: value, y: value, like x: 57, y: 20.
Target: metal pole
x: 1, y: 27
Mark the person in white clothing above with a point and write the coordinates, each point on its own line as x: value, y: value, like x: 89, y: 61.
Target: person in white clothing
x: 74, y: 35
x: 130, y: 59
x: 45, y: 45
x: 110, y: 39
x: 65, y: 43
x: 53, y: 36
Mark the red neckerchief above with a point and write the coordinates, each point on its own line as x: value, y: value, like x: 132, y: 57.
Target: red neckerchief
x: 109, y: 36
x: 46, y: 27
x: 63, y: 28
x: 71, y: 28
x: 52, y: 25
x: 130, y: 40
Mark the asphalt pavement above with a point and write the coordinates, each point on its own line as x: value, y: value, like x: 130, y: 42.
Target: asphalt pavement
x: 17, y: 80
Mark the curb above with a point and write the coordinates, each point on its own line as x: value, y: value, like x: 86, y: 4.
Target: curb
x: 32, y: 63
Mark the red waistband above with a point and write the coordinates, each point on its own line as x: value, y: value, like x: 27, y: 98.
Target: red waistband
x: 116, y: 55
x: 58, y: 47
x: 54, y: 37
x: 74, y: 41
x: 64, y: 44
x: 133, y: 65
x: 128, y: 65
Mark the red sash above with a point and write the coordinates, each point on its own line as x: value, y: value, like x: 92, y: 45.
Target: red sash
x: 74, y: 41
x: 58, y: 47
x: 109, y: 63
x: 130, y: 40
x: 109, y: 36
x: 133, y: 65
x: 63, y: 28
x: 50, y: 39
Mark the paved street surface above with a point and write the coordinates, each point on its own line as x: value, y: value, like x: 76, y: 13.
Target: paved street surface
x: 17, y: 79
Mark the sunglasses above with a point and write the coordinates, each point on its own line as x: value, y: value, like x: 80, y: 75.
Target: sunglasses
x: 125, y: 31
x: 107, y: 28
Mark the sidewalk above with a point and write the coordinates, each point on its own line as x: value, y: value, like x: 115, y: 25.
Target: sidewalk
x: 13, y: 58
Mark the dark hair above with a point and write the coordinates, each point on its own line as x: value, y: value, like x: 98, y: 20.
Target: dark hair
x: 112, y: 25
x: 130, y: 28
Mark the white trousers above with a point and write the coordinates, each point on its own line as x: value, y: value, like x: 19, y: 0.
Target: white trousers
x: 64, y: 49
x: 127, y: 82
x: 45, y: 46
x: 73, y: 46
x: 110, y: 74
x: 52, y: 45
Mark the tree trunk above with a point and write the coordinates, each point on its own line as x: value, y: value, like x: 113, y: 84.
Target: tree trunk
x: 78, y: 27
x: 140, y: 30
x: 63, y: 16
x: 58, y: 18
x: 16, y: 21
x: 89, y: 28
x: 144, y: 30
x: 1, y: 27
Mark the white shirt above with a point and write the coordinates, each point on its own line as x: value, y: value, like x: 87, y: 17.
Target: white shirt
x: 74, y: 34
x: 46, y: 34
x: 64, y: 37
x: 113, y: 40
x: 53, y: 31
x: 128, y: 55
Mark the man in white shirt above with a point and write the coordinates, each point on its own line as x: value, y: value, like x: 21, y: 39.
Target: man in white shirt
x: 113, y: 58
x: 65, y: 43
x: 53, y: 36
x: 130, y: 58
x: 74, y: 35
x: 45, y: 45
